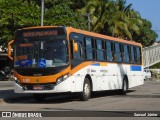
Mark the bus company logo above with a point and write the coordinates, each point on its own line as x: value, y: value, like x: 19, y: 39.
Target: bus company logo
x: 6, y: 114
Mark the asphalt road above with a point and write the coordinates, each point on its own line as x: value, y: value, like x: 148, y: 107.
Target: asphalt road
x: 144, y: 98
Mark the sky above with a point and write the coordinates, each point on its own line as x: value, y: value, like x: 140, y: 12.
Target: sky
x: 150, y: 10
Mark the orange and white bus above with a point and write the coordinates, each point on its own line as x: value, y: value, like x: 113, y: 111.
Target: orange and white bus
x: 57, y: 59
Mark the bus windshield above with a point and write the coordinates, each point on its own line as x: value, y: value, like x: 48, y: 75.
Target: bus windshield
x: 41, y: 54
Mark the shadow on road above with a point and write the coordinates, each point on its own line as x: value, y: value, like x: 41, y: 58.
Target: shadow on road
x: 142, y: 96
x: 10, y: 97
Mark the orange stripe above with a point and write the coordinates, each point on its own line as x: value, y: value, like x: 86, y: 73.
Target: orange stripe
x: 82, y: 65
x: 41, y: 79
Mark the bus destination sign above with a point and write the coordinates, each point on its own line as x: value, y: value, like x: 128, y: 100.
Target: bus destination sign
x: 40, y: 33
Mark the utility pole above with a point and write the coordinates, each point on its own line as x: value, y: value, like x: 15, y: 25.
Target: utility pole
x: 157, y: 30
x: 88, y: 20
x: 42, y: 12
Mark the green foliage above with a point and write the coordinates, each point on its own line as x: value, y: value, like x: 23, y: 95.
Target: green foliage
x: 147, y: 35
x: 15, y: 14
x: 109, y: 17
x: 114, y: 18
x: 62, y: 14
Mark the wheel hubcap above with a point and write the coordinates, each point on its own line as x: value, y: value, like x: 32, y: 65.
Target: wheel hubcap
x: 125, y: 86
x: 86, y: 90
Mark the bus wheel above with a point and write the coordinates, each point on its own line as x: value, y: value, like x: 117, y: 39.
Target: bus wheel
x: 86, y: 93
x: 124, y: 89
x: 39, y: 97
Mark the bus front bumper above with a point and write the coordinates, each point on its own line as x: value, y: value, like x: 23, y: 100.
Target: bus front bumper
x: 63, y: 87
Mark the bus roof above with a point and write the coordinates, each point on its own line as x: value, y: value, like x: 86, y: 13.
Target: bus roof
x: 71, y: 29
x: 103, y: 36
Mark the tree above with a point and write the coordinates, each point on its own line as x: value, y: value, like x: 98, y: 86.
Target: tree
x: 115, y: 18
x: 147, y: 35
x: 14, y: 15
x: 109, y: 17
x: 24, y: 13
x: 62, y: 15
x: 97, y: 11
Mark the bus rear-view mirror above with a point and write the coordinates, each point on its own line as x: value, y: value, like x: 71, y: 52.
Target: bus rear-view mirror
x: 75, y: 45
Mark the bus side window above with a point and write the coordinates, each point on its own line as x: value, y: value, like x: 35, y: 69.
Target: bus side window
x: 118, y: 53
x: 129, y: 53
x: 126, y: 54
x: 132, y: 55
x: 138, y: 55
x: 122, y: 51
x: 135, y: 55
x: 113, y: 51
x: 88, y: 48
x: 100, y: 51
x: 109, y: 51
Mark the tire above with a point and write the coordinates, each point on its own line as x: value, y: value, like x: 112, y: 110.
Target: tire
x: 86, y: 93
x: 39, y: 97
x: 124, y: 89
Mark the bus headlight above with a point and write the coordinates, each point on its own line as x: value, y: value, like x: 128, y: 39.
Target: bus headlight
x: 62, y: 78
x: 17, y: 81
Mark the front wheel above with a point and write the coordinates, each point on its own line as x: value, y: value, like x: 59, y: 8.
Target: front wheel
x: 86, y: 93
x: 124, y: 89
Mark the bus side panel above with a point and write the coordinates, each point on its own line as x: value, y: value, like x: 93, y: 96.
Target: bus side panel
x: 77, y: 81
x: 136, y: 75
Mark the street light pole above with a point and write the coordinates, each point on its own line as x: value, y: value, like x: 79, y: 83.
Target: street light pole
x: 88, y: 20
x: 42, y: 11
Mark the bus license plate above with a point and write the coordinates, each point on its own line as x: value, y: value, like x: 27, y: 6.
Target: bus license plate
x: 37, y: 88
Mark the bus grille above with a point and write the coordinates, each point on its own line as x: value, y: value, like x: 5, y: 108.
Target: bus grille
x: 39, y: 87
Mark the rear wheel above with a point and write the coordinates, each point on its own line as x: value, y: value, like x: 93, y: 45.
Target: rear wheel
x: 39, y: 97
x: 86, y: 93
